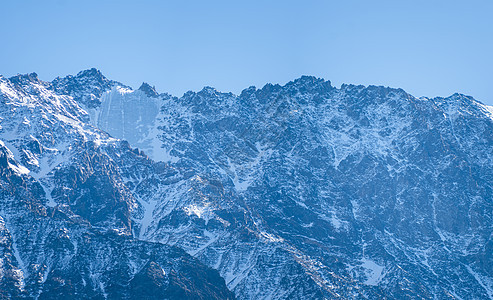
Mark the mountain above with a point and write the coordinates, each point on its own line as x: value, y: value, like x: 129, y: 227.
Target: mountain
x: 65, y: 219
x: 296, y: 191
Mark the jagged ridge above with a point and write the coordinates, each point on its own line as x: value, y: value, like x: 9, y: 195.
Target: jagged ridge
x: 298, y: 191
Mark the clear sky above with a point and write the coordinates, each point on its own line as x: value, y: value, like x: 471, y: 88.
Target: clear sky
x: 429, y: 48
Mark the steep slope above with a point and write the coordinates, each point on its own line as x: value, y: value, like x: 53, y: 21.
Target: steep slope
x: 367, y: 190
x: 131, y: 116
x: 65, y: 211
x: 296, y: 191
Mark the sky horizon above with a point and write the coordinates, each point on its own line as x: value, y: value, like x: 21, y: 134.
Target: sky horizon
x: 427, y: 49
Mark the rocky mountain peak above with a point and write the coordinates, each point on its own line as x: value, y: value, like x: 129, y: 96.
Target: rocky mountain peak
x: 86, y: 87
x: 310, y: 82
x: 148, y: 90
x: 25, y: 79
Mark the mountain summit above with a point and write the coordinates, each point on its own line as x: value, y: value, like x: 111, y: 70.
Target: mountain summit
x: 149, y: 90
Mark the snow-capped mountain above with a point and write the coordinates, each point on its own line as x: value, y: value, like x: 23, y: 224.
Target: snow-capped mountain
x: 65, y: 211
x: 296, y: 191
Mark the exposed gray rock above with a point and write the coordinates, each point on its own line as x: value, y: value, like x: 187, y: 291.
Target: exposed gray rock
x: 296, y: 191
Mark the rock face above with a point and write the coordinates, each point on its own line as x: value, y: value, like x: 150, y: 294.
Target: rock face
x: 130, y: 115
x: 65, y: 211
x: 296, y: 191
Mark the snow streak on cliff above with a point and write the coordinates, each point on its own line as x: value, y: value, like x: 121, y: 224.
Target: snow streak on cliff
x: 296, y: 191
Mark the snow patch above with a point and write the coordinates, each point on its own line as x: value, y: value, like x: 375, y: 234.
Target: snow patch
x: 5, y: 89
x: 488, y: 110
x: 17, y: 168
x: 211, y: 238
x: 194, y: 209
x: 485, y: 282
x: 148, y: 216
x: 373, y: 271
x: 368, y: 269
x: 271, y: 238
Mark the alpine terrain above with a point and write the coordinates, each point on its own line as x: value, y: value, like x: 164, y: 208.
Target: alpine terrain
x: 301, y: 191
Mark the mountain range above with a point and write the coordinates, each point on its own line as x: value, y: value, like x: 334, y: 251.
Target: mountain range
x: 300, y: 191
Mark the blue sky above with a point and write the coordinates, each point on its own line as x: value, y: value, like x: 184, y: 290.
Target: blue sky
x: 429, y: 48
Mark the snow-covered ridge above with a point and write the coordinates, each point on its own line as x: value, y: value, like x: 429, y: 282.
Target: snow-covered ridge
x: 41, y: 127
x: 296, y: 191
x: 489, y: 110
x: 64, y: 209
